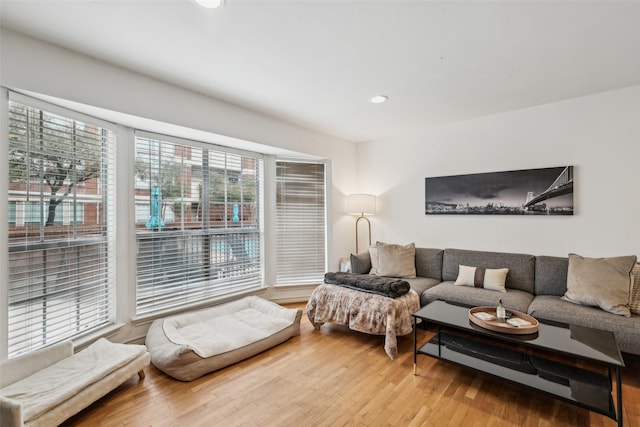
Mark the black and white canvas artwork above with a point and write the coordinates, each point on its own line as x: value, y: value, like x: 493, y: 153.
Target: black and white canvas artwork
x: 546, y: 191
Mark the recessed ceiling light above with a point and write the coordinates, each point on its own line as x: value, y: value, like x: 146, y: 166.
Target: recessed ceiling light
x: 210, y: 4
x: 379, y: 99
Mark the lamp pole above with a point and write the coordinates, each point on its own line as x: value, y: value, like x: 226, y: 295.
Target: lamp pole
x: 361, y: 204
x: 369, y: 225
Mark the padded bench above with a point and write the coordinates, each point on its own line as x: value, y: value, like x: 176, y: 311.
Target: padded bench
x: 47, y: 386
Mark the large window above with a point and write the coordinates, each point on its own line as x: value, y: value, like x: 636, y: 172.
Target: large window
x: 300, y: 223
x: 190, y: 224
x: 198, y: 222
x: 61, y: 225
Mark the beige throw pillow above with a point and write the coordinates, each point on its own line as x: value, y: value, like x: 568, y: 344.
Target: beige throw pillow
x: 373, y: 254
x: 634, y: 301
x: 488, y: 278
x: 393, y: 260
x: 600, y: 282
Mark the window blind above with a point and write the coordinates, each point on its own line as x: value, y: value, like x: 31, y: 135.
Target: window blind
x: 198, y: 222
x: 61, y: 227
x: 300, y: 223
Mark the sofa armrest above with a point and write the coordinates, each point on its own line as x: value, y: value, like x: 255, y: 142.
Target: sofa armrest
x: 10, y: 412
x: 22, y: 366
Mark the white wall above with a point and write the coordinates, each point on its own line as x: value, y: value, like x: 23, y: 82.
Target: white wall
x: 598, y: 134
x: 33, y: 65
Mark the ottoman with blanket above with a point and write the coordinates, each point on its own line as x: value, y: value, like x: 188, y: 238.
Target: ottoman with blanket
x: 190, y: 345
x: 369, y: 304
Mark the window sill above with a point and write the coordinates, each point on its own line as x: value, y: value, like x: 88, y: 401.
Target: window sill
x: 84, y: 341
x: 146, y: 319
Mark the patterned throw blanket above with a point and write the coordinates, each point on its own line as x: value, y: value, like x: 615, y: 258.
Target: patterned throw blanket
x: 364, y: 312
x: 387, y: 286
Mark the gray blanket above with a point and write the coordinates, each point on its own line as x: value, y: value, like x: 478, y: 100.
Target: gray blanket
x: 387, y: 286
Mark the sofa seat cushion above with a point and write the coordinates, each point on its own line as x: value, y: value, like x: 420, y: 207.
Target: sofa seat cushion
x: 54, y: 385
x: 474, y: 297
x: 421, y: 284
x: 626, y: 329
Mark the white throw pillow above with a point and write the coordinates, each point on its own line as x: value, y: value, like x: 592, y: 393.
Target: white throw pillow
x: 493, y: 279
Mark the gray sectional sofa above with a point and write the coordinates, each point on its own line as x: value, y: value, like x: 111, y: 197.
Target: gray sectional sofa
x: 534, y: 285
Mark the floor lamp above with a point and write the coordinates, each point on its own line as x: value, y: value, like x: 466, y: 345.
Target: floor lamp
x: 361, y: 204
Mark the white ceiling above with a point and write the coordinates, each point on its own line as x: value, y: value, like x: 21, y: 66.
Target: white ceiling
x: 316, y: 63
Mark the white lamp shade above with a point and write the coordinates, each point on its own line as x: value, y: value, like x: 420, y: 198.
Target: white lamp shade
x: 364, y: 204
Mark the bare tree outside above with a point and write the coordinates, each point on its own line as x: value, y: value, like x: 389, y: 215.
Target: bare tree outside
x: 50, y: 155
x: 61, y: 226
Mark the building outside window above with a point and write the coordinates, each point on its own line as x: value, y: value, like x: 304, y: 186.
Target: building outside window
x: 60, y: 227
x: 198, y: 223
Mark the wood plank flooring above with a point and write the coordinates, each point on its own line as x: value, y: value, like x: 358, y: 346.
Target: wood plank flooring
x: 337, y: 377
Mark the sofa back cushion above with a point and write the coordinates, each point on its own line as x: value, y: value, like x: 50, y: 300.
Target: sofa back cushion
x: 429, y: 263
x: 551, y: 275
x: 521, y: 266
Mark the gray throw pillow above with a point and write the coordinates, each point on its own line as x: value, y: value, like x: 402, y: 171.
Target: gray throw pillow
x: 361, y: 263
x: 600, y: 282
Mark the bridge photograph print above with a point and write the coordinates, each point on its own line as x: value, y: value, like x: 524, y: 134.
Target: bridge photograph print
x: 546, y: 191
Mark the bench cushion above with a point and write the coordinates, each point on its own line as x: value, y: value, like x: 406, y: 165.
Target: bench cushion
x: 54, y: 385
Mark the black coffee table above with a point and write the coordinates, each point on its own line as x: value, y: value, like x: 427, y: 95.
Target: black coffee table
x: 535, y: 361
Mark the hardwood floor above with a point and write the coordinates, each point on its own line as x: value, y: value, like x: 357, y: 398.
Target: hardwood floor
x: 339, y: 377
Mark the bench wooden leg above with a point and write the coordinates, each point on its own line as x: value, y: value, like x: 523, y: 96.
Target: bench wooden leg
x: 141, y: 374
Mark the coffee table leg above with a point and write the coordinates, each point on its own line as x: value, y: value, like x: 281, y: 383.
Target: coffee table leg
x: 619, y: 394
x: 415, y: 347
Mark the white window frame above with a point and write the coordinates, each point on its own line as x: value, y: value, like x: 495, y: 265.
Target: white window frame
x: 109, y: 275
x: 125, y: 324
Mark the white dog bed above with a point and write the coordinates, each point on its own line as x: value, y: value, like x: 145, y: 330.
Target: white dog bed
x: 190, y: 345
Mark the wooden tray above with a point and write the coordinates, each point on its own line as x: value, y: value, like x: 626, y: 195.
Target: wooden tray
x: 503, y: 326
